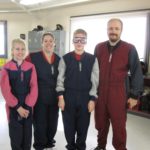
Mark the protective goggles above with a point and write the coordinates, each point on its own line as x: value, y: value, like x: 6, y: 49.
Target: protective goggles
x: 82, y: 40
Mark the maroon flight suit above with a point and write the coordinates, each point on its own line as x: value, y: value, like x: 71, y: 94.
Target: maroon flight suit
x: 112, y: 100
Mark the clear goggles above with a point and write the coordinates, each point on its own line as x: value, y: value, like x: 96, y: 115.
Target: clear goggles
x: 82, y: 40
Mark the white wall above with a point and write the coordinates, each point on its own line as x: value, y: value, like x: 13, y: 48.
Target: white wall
x: 23, y: 22
x: 16, y: 24
x: 62, y: 15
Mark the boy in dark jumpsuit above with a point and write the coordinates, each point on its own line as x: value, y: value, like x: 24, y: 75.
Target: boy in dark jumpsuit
x: 45, y: 117
x: 77, y: 90
x: 19, y: 88
x: 116, y: 58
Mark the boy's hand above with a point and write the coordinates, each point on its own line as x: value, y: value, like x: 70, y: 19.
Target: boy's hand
x: 61, y: 103
x: 91, y: 106
x: 24, y: 113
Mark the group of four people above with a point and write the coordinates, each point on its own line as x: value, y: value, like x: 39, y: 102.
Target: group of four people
x: 77, y: 83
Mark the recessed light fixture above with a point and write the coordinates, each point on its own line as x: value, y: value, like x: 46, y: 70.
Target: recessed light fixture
x: 32, y: 2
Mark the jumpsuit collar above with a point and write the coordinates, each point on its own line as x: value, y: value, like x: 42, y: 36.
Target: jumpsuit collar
x: 112, y: 48
x: 18, y: 66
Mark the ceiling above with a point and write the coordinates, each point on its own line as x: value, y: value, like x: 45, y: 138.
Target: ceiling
x: 15, y: 6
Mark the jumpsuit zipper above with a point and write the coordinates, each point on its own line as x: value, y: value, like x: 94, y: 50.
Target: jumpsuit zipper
x: 109, y: 73
x: 52, y: 69
x: 80, y: 66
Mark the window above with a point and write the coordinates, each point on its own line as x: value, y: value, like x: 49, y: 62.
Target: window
x: 134, y: 29
x: 3, y: 39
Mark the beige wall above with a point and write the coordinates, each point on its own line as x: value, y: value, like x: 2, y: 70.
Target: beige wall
x: 23, y: 22
x: 16, y: 24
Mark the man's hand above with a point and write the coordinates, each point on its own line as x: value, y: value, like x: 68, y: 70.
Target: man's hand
x: 132, y: 102
x: 91, y: 106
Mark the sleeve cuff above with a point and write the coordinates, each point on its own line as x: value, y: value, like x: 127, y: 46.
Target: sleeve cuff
x: 60, y: 93
x: 93, y: 98
x: 17, y: 106
x: 27, y: 107
x: 133, y: 96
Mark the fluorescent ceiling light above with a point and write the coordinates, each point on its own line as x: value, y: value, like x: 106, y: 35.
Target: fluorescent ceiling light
x: 31, y: 2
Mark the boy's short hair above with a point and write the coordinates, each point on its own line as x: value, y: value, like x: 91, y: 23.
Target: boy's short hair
x: 80, y: 31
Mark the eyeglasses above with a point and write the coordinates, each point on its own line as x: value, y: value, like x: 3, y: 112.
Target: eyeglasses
x: 82, y: 40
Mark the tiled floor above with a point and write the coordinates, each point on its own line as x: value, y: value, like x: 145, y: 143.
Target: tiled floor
x: 138, y: 129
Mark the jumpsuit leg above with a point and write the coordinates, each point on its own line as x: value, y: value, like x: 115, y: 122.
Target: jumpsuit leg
x: 119, y: 134
x: 27, y: 133
x: 15, y: 130
x: 83, y: 120
x: 69, y: 127
x: 102, y: 124
x: 40, y: 126
x: 69, y: 119
x: 102, y: 135
x: 53, y: 113
x: 118, y: 118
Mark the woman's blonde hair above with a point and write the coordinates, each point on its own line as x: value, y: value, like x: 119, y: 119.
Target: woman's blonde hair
x: 18, y: 41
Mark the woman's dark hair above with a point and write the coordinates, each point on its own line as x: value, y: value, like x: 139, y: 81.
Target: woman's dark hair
x: 49, y: 34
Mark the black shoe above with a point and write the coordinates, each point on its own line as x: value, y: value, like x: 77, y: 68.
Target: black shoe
x: 98, y: 148
x: 51, y: 144
x: 53, y: 141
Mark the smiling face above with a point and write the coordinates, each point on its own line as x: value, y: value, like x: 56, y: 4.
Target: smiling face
x: 48, y: 43
x: 18, y: 50
x: 114, y: 29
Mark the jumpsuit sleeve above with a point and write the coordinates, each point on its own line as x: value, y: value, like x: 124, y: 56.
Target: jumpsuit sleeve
x: 61, y: 77
x: 94, y: 80
x: 32, y: 96
x: 136, y: 83
x: 10, y: 99
x: 95, y: 50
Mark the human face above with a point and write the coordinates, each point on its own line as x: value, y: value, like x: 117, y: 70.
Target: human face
x: 18, y: 51
x: 79, y: 41
x: 114, y: 29
x: 48, y: 43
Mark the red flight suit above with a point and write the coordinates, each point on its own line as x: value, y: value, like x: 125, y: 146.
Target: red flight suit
x: 112, y: 100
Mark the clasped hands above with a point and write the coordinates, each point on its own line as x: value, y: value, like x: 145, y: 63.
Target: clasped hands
x: 24, y: 113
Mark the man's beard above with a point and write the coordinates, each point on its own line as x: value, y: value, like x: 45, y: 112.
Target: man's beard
x: 112, y: 39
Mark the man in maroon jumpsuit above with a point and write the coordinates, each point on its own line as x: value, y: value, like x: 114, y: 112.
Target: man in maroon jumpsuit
x: 116, y: 58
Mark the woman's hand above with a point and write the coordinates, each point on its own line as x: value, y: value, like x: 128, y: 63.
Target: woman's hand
x: 24, y: 113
